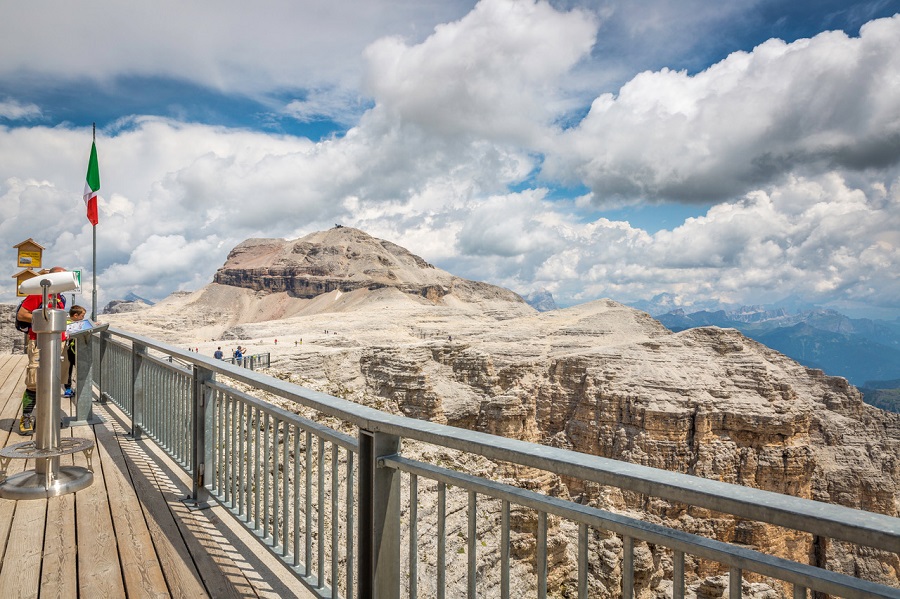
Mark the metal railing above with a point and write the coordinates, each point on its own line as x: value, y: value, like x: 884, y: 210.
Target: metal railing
x: 252, y: 361
x: 336, y: 506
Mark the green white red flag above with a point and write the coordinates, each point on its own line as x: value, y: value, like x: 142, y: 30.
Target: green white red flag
x: 92, y: 186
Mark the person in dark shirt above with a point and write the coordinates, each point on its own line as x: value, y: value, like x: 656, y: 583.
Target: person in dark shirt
x: 76, y: 313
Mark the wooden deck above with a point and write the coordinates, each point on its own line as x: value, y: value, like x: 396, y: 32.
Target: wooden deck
x: 128, y: 534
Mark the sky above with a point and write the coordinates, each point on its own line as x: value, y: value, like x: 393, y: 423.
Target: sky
x: 716, y: 152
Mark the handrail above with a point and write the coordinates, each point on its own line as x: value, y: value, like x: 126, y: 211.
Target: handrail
x: 332, y: 436
x: 837, y: 522
x: 724, y: 553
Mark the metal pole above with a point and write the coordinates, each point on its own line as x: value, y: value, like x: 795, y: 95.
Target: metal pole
x: 379, y: 518
x: 104, y: 344
x: 48, y: 324
x: 202, y: 416
x: 366, y: 567
x: 94, y: 277
x: 84, y: 382
x: 94, y: 258
x: 138, y: 352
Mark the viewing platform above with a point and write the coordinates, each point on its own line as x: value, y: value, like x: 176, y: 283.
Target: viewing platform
x: 129, y: 534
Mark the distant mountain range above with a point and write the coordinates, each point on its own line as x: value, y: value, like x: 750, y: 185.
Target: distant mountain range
x: 133, y: 297
x: 884, y: 395
x: 541, y: 300
x: 131, y: 303
x: 863, y: 351
x: 664, y: 303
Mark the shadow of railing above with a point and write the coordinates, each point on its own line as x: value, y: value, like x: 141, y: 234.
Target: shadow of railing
x: 212, y: 545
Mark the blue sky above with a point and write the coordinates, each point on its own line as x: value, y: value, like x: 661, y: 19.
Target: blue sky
x: 721, y: 152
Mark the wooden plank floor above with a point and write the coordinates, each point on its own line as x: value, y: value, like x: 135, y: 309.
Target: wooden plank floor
x: 128, y: 534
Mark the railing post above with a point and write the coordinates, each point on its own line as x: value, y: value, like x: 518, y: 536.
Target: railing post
x: 138, y: 352
x: 101, y: 365
x: 379, y: 518
x: 202, y: 414
x: 85, y: 373
x: 627, y: 567
x: 734, y: 583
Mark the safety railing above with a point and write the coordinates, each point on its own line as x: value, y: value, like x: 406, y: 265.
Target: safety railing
x: 252, y: 361
x: 354, y: 517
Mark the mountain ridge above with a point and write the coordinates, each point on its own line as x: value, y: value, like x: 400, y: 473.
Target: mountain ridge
x: 860, y: 349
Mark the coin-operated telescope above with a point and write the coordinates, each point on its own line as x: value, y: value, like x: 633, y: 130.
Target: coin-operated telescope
x: 53, y: 282
x: 47, y: 479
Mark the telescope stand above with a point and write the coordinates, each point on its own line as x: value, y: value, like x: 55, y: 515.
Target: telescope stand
x: 48, y: 479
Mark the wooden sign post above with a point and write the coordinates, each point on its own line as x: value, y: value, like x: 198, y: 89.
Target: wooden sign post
x: 29, y: 259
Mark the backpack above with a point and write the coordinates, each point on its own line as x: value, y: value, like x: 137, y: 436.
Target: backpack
x: 23, y: 326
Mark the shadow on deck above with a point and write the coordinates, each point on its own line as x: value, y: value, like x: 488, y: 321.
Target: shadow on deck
x: 129, y: 534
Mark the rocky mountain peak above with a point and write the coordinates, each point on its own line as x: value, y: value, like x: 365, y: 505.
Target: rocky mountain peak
x: 343, y: 259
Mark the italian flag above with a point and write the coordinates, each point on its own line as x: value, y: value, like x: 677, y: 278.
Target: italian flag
x: 92, y: 186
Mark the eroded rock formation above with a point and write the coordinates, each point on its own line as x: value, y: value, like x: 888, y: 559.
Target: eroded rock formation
x: 343, y: 259
x: 11, y: 340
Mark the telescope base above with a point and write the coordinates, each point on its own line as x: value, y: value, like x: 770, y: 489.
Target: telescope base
x: 33, y: 485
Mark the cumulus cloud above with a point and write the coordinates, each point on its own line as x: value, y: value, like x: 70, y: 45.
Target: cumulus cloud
x: 815, y: 104
x: 158, y: 260
x: 503, y: 226
x: 814, y: 237
x: 491, y: 74
x: 460, y: 151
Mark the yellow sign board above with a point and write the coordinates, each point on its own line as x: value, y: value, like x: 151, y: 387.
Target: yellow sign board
x: 30, y: 259
x: 21, y: 277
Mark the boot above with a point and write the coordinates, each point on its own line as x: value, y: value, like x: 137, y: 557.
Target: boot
x: 26, y: 423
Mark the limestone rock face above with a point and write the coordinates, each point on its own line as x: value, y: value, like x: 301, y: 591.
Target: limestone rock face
x: 359, y: 318
x: 120, y: 306
x: 342, y: 259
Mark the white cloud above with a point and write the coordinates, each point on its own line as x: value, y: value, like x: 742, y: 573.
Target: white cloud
x: 248, y: 48
x: 803, y: 176
x: 12, y: 110
x: 826, y: 102
x: 157, y: 261
x: 837, y: 248
x: 508, y: 226
x: 339, y: 105
x: 493, y: 74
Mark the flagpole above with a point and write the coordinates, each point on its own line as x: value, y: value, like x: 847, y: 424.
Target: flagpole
x: 94, y: 258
